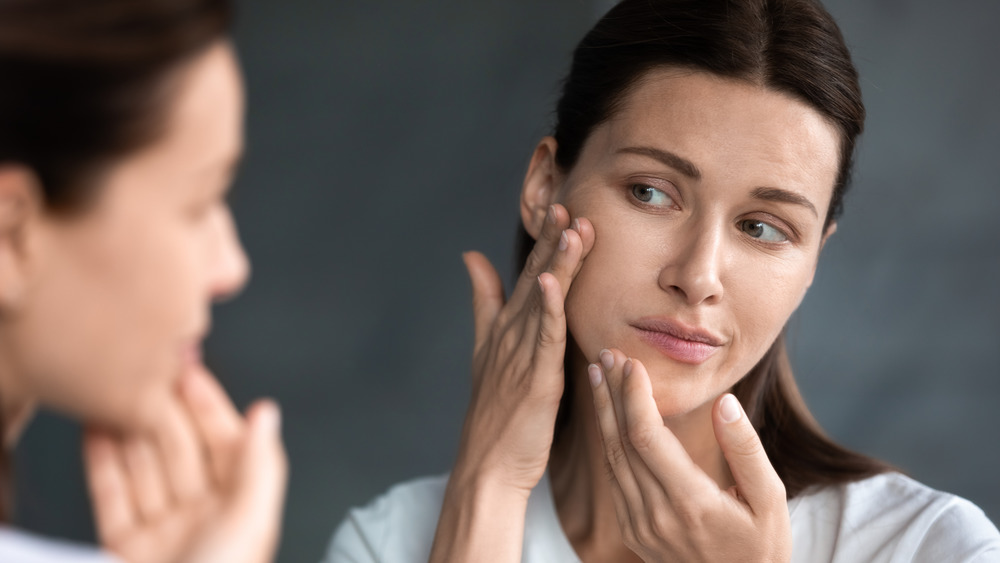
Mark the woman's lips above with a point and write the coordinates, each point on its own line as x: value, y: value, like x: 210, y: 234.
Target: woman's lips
x: 678, y: 342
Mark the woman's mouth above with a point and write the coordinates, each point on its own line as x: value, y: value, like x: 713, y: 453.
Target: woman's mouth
x: 677, y: 341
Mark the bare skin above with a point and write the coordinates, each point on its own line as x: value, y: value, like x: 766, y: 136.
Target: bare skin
x: 707, y: 199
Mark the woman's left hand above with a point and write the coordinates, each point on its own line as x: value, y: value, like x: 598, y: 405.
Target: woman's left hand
x: 206, y: 485
x: 668, y: 509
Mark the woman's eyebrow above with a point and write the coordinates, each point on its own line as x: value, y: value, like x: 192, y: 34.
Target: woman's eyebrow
x: 682, y: 165
x: 785, y: 196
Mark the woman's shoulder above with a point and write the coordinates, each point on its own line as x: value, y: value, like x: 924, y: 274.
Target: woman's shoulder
x: 890, y: 517
x: 23, y: 547
x: 398, y: 525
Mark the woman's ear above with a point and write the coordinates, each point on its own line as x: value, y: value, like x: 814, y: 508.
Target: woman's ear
x: 827, y: 234
x: 832, y: 228
x: 541, y: 185
x: 19, y: 204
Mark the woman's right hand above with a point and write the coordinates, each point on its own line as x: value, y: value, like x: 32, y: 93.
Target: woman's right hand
x: 518, y: 360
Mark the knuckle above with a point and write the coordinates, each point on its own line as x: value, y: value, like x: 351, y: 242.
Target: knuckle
x: 748, y: 445
x: 609, y: 472
x: 629, y: 538
x: 616, y: 453
x: 663, y: 524
x: 535, y: 304
x: 502, y: 320
x: 533, y: 265
x: 644, y: 533
x: 641, y: 435
x: 508, y: 343
x: 691, y: 517
x: 549, y: 335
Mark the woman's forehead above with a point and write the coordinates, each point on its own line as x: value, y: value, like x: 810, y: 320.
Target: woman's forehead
x: 721, y: 126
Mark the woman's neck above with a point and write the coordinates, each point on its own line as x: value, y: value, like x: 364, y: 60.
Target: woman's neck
x: 580, y: 485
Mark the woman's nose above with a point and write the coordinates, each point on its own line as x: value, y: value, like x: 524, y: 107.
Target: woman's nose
x: 230, y: 266
x: 693, y: 268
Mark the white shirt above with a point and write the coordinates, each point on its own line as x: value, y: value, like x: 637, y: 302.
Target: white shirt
x: 22, y: 547
x: 886, y: 518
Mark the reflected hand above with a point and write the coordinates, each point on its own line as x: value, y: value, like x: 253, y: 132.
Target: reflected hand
x: 668, y: 509
x: 207, y: 485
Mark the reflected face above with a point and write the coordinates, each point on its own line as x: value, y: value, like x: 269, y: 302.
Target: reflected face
x: 121, y: 296
x: 708, y: 198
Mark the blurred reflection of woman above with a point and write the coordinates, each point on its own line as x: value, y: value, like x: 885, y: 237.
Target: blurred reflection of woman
x: 633, y: 398
x: 120, y: 127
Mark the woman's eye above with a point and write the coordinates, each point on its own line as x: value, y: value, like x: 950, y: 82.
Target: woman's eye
x: 762, y: 231
x: 651, y: 195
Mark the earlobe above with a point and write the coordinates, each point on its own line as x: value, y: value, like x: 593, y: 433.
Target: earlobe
x: 18, y: 203
x: 540, y: 187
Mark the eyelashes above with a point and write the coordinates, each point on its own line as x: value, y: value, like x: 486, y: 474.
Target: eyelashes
x: 762, y: 231
x: 650, y: 197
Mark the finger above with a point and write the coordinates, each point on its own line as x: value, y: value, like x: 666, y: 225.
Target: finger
x: 540, y: 257
x: 183, y: 457
x: 262, y: 473
x: 612, y: 434
x: 636, y: 433
x: 585, y: 229
x: 487, y: 293
x: 567, y: 259
x: 550, y: 351
x: 546, y: 309
x: 114, y: 513
x: 661, y: 452
x: 756, y: 480
x: 145, y: 477
x: 219, y: 424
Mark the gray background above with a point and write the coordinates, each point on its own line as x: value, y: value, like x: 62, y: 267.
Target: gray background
x: 385, y: 137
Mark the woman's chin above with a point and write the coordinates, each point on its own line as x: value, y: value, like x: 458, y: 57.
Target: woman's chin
x: 132, y: 414
x: 677, y: 397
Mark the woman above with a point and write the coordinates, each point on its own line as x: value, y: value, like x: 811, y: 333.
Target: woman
x: 120, y: 127
x: 633, y: 399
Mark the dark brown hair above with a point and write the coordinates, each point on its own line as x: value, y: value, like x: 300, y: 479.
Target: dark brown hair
x: 789, y: 46
x: 85, y: 83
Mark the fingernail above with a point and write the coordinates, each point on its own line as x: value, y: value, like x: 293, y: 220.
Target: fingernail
x: 627, y: 369
x: 552, y: 214
x: 563, y: 241
x: 594, y: 371
x: 730, y: 409
x: 576, y: 225
x: 607, y: 359
x: 540, y: 284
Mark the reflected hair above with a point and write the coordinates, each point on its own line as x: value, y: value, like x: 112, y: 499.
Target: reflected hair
x: 86, y: 83
x: 789, y: 46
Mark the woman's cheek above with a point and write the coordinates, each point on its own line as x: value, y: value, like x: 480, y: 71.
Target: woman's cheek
x: 593, y: 304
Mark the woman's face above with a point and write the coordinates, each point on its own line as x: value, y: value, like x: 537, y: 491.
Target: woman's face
x: 708, y: 198
x: 120, y: 296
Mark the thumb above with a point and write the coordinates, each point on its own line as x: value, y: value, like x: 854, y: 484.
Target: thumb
x: 262, y: 473
x: 487, y: 293
x: 756, y: 480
